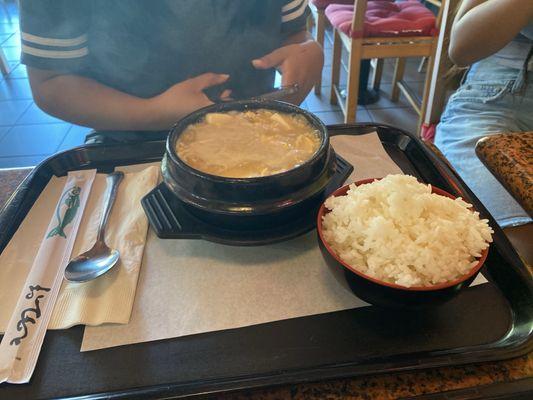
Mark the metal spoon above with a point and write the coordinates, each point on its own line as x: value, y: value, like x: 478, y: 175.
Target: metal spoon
x: 279, y: 94
x: 100, y: 258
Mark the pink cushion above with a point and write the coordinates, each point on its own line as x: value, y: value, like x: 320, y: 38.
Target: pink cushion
x: 384, y: 18
x: 324, y: 3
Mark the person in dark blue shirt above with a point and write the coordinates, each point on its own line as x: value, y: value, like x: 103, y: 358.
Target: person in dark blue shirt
x: 141, y: 65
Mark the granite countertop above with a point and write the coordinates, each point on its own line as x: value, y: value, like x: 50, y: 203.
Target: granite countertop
x: 386, y: 386
x: 509, y: 156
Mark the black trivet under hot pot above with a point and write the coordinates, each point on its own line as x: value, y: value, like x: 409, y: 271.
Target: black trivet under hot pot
x: 170, y: 218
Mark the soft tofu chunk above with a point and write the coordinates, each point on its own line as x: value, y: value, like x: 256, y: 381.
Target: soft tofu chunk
x: 281, y: 119
x: 217, y: 118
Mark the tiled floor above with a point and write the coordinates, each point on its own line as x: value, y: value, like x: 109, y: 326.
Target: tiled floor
x: 28, y: 135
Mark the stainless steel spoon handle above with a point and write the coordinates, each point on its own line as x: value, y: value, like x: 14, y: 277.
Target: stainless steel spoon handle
x: 113, y: 180
x: 280, y: 93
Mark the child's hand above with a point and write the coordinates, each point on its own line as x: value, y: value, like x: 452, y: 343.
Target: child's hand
x: 185, y: 97
x: 299, y: 63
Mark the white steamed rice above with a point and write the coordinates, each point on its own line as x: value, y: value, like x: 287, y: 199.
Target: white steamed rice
x: 397, y: 231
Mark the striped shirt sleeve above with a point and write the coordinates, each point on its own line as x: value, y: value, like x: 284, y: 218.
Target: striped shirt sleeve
x: 294, y: 15
x: 54, y: 34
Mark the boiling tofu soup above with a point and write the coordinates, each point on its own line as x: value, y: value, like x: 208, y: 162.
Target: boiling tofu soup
x: 248, y: 144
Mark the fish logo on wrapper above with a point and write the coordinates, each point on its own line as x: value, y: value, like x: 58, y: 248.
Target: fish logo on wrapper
x: 70, y: 200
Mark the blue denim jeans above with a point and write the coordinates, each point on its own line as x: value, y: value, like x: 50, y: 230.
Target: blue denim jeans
x: 493, y: 99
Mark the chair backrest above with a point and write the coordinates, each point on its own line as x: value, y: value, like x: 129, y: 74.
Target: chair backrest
x: 440, y: 4
x: 358, y: 21
x: 442, y: 64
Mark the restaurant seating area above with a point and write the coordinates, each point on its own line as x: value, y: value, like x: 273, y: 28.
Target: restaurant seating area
x: 388, y: 30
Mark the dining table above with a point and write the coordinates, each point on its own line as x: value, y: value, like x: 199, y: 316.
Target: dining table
x: 511, y: 377
x: 509, y: 156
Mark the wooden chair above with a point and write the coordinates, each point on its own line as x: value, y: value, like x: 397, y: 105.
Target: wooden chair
x: 318, y: 7
x: 440, y: 84
x: 423, y: 60
x: 360, y: 48
x: 397, y: 84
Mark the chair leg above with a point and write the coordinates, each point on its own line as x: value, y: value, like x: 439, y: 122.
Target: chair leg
x: 427, y: 88
x: 4, y: 66
x: 320, y: 34
x: 422, y: 64
x: 335, y: 66
x: 353, y: 81
x: 377, y: 74
x: 399, y: 69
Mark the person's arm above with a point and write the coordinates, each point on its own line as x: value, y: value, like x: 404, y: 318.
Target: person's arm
x: 483, y: 27
x: 55, y: 49
x: 300, y: 59
x: 84, y: 101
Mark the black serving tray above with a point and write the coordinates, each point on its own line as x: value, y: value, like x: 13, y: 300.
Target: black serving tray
x: 488, y: 322
x: 170, y: 218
